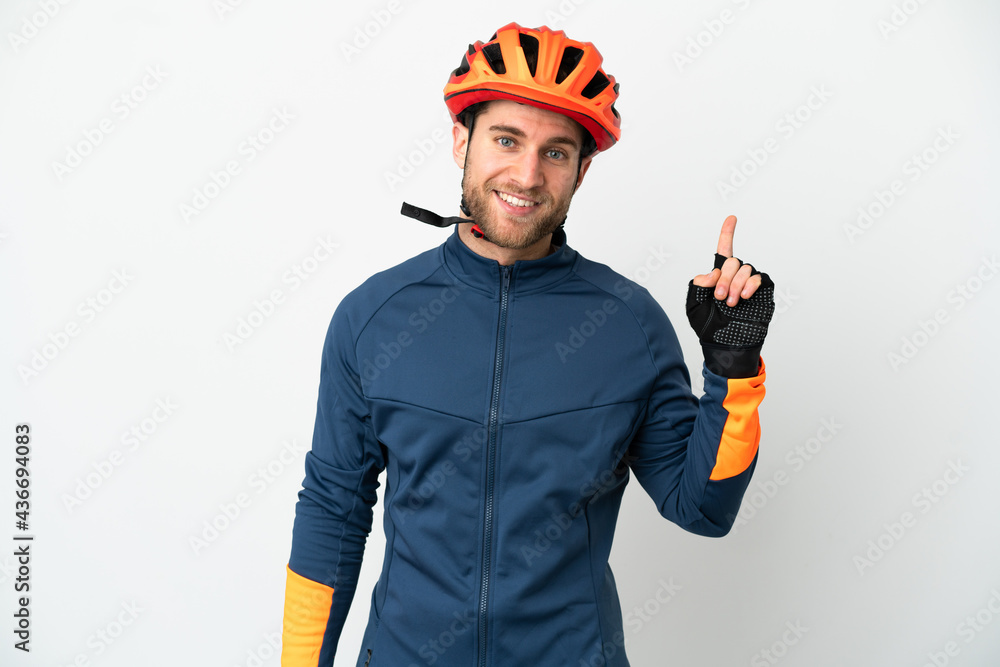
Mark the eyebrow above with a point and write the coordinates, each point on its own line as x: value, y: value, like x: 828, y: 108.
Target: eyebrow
x: 509, y: 129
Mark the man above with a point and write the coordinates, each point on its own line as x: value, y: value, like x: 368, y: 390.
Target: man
x: 508, y: 386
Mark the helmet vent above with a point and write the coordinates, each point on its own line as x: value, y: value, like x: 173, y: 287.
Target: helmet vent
x: 570, y: 59
x: 529, y: 45
x: 596, y: 85
x: 494, y: 56
x: 463, y: 67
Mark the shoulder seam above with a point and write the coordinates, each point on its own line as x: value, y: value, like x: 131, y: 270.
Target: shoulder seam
x: 625, y: 303
x: 438, y: 264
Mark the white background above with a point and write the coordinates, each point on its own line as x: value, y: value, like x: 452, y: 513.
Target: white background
x: 850, y: 296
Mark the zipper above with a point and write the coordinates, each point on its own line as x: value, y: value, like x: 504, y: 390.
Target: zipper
x: 369, y: 657
x: 484, y: 582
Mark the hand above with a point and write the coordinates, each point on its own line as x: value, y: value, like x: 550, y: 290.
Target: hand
x: 732, y: 282
x: 731, y: 333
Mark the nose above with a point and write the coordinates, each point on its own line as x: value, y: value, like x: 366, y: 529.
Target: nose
x: 527, y: 170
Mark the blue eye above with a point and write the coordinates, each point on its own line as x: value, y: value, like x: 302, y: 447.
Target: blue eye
x: 558, y: 155
x: 506, y: 142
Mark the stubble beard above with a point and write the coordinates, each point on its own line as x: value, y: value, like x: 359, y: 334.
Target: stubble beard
x: 525, y: 233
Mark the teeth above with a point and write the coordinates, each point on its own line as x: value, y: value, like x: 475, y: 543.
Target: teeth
x: 514, y: 201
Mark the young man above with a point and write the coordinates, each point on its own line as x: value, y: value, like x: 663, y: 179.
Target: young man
x: 508, y: 386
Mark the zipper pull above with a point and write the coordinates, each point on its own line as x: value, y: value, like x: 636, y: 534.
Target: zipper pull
x: 369, y: 657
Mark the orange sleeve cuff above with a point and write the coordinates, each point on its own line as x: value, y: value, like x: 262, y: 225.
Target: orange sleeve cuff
x: 307, y: 613
x: 741, y: 432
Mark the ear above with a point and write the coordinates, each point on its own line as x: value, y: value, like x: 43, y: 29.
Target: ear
x: 460, y: 143
x: 584, y: 166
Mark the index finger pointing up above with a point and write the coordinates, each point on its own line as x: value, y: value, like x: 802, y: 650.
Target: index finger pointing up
x: 726, y: 237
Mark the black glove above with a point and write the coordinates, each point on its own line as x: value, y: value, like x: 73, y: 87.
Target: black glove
x: 731, y: 338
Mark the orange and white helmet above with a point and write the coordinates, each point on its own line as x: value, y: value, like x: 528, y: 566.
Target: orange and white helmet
x: 543, y: 68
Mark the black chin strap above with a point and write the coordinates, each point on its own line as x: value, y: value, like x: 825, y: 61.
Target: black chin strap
x: 431, y: 218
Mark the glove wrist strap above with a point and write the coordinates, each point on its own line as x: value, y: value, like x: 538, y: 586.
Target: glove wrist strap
x: 729, y: 362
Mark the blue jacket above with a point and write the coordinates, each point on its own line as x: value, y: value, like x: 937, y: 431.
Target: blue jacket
x: 508, y: 407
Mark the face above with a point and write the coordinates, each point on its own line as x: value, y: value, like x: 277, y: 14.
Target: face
x: 521, y: 171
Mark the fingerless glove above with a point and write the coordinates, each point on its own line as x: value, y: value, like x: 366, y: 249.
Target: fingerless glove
x: 731, y: 337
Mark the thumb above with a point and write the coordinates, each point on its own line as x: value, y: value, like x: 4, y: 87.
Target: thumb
x: 707, y: 279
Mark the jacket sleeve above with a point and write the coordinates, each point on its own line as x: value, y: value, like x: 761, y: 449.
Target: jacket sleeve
x: 695, y: 457
x: 333, y: 516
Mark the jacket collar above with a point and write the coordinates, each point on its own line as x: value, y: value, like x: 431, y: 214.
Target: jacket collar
x: 526, y: 276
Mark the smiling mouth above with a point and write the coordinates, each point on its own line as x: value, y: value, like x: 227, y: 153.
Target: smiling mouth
x: 515, y: 202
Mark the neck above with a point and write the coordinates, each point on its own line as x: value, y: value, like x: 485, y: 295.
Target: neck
x: 504, y: 256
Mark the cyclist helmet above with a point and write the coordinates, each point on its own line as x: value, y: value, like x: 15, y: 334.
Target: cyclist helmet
x: 543, y: 68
